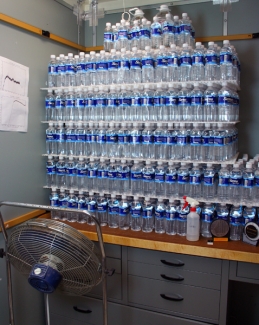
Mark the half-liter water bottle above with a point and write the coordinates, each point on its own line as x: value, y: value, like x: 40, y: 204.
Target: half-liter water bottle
x: 124, y: 213
x: 209, y: 183
x: 161, y: 71
x: 102, y: 209
x: 168, y: 31
x: 134, y: 35
x: 123, y: 177
x: 81, y: 205
x: 148, y: 178
x: 177, y: 30
x: 81, y: 168
x: 80, y: 144
x: 147, y: 215
x: 60, y: 139
x: 112, y: 176
x: 50, y: 106
x: 80, y: 70
x: 136, y: 141
x: 72, y: 204
x: 92, y: 172
x: 52, y: 73
x: 225, y: 103
x: 160, y: 179
x: 113, y: 65
x: 59, y: 105
x: 184, y: 103
x: 63, y: 204
x: 102, y: 176
x: 61, y: 73
x: 54, y: 202
x: 160, y: 216
x: 70, y: 71
x: 207, y: 147
x: 91, y: 206
x: 51, y: 144
x: 198, y: 68
x: 183, y: 177
x: 211, y: 63
x: 124, y: 68
x: 123, y: 141
x: 197, y: 107
x: 223, y: 184
x: 196, y: 142
x: 171, y: 217
x: 185, y: 62
x: 226, y: 64
x: 71, y: 174
x: 108, y: 38
x: 172, y: 63
x: 144, y: 35
x: 210, y: 103
x: 113, y: 212
x: 235, y: 184
x: 136, y: 214
x: 136, y: 175
x: 156, y: 34
x: 183, y: 211
x: 135, y: 66
x: 147, y: 65
x: 71, y: 139
x: 148, y: 147
x: 185, y: 33
x: 50, y: 172
x: 69, y: 105
x: 196, y: 182
x: 248, y: 183
x: 171, y: 180
x: 207, y: 216
x: 123, y: 41
x: 236, y: 222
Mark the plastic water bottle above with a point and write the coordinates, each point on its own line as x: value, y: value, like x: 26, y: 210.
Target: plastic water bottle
x: 207, y: 216
x: 177, y: 30
x: 183, y: 178
x: 248, y: 184
x: 168, y: 31
x: 61, y: 72
x: 182, y: 218
x: 123, y: 141
x: 101, y: 141
x: 115, y: 35
x: 147, y: 215
x: 54, y: 202
x: 236, y: 223
x: 184, y: 103
x: 148, y: 149
x: 183, y: 144
x: 80, y: 70
x: 136, y: 175
x: 171, y: 217
x: 223, y: 184
x: 92, y: 172
x: 136, y: 141
x: 256, y: 181
x: 211, y: 63
x: 69, y: 105
x: 81, y: 174
x: 147, y: 65
x: 196, y: 142
x: 226, y: 65
x: 171, y: 180
x: 71, y: 174
x: 235, y: 184
x: 158, y: 101
x: 63, y: 204
x: 198, y: 69
x: 80, y: 142
x: 102, y: 69
x: 156, y: 34
x: 50, y: 106
x: 122, y: 41
x: 112, y: 176
x: 60, y: 139
x: 160, y: 179
x: 72, y: 204
x: 160, y: 216
x: 210, y: 103
x: 171, y: 102
x: 207, y: 148
x: 102, y: 176
x: 70, y: 139
x: 113, y: 67
x: 124, y: 213
x: 111, y: 104
x: 196, y: 184
x: 124, y: 68
x: 172, y: 63
x: 91, y: 206
x: 209, y: 183
x: 197, y: 107
x: 76, y: 62
x: 185, y: 63
x: 92, y: 68
x: 61, y: 172
x: 162, y: 71
x: 123, y: 177
x: 134, y: 35
x: 112, y: 141
x: 50, y: 172
x: 148, y: 179
x: 249, y: 214
x: 70, y: 71
x: 81, y: 205
x: 79, y: 105
x: 102, y: 209
x: 220, y: 143
x: 222, y: 212
x: 163, y: 11
x: 135, y: 66
x: 113, y: 212
x: 51, y: 144
x: 185, y: 34
x: 225, y: 103
x: 144, y: 35
x: 108, y: 38
x: 159, y: 141
x: 93, y: 138
x: 136, y: 214
x: 59, y: 105
x: 52, y: 73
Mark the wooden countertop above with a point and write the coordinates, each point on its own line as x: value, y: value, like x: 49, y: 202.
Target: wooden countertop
x: 231, y: 250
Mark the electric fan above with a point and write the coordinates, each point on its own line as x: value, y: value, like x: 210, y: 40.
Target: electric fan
x: 54, y: 255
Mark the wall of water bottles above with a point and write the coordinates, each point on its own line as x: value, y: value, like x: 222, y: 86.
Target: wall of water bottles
x: 153, y: 115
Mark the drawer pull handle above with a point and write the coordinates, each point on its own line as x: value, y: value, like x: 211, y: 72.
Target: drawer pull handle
x: 176, y: 298
x: 177, y: 278
x: 178, y: 263
x: 80, y: 310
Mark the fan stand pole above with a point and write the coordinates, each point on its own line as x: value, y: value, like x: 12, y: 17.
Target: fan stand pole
x: 46, y: 301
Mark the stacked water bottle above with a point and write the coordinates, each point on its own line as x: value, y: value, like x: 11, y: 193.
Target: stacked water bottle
x: 151, y: 103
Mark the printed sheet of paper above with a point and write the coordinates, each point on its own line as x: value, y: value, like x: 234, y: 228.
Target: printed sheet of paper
x: 14, y: 102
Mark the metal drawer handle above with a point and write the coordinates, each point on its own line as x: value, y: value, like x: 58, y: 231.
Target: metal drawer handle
x: 177, y: 278
x: 84, y: 311
x: 176, y: 298
x: 179, y: 263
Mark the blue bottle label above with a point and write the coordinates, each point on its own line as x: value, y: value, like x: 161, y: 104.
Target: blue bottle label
x: 171, y: 100
x: 101, y: 138
x: 225, y: 58
x: 159, y: 139
x: 123, y: 138
x: 60, y: 103
x: 184, y: 100
x: 122, y: 175
x: 71, y: 171
x: 70, y: 68
x: 61, y: 69
x: 211, y: 59
x: 145, y: 33
x: 81, y: 172
x: 124, y: 64
x: 208, y: 180
x: 113, y: 65
x: 80, y: 67
x: 50, y: 137
x: 54, y: 202
x: 123, y: 211
x: 51, y: 170
x: 197, y: 59
x: 159, y: 214
x: 80, y: 102
x: 171, y: 178
x: 108, y: 36
x: 101, y: 102
x: 156, y: 31
x: 219, y: 141
x: 225, y: 100
x: 197, y: 100
x: 236, y: 220
x: 113, y: 210
x: 159, y: 178
x: 183, y: 179
x: 136, y: 101
x: 256, y: 181
x: 71, y: 137
x: 248, y: 183
x: 102, y: 66
x: 111, y: 102
x: 185, y: 60
x: 136, y: 176
x: 147, y: 177
x: 52, y: 69
x: 72, y: 205
x: 207, y: 217
x: 111, y: 174
x: 134, y: 35
x: 147, y: 101
x: 168, y: 29
x: 161, y: 62
x: 147, y: 139
x: 210, y: 100
x: 92, y: 173
x: 102, y: 174
x: 102, y: 208
x: 91, y: 207
x: 195, y: 140
x: 60, y: 137
x: 148, y: 62
x: 171, y: 215
x: 135, y: 63
x: 182, y: 139
x: 111, y: 138
x: 147, y: 214
x: 136, y: 139
x: 173, y: 61
x: 90, y: 67
x: 123, y: 34
x: 70, y: 103
x: 136, y: 213
x: 195, y: 180
x: 171, y: 140
x: 49, y: 103
x: 80, y: 137
x: 223, y: 181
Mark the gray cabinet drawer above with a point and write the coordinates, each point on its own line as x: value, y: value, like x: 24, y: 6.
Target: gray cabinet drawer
x: 248, y: 270
x: 197, y: 303
x: 175, y: 275
x: 123, y: 315
x: 113, y: 250
x: 193, y: 263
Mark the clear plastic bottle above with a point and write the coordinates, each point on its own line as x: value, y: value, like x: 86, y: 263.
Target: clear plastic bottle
x: 136, y: 214
x: 249, y: 214
x: 91, y: 206
x: 148, y: 143
x: 226, y: 103
x: 69, y: 105
x: 162, y: 71
x: 183, y: 178
x: 183, y: 211
x: 185, y: 63
x: 51, y: 144
x: 148, y: 178
x: 113, y: 65
x: 223, y: 184
x: 147, y: 215
x: 134, y: 35
x: 235, y: 184
x: 184, y: 103
x: 113, y: 212
x: 102, y: 209
x: 112, y: 176
x: 60, y: 139
x: 61, y: 172
x: 123, y: 177
x: 160, y: 179
x: 195, y: 182
x: 211, y: 103
x: 256, y: 187
x: 136, y: 141
x: 207, y: 216
x: 71, y: 174
x: 220, y: 139
x: 211, y: 63
x: 198, y: 69
x: 172, y: 63
x: 168, y: 31
x: 122, y: 41
x: 72, y: 204
x: 159, y: 141
x: 197, y: 101
x: 52, y: 72
x: 81, y: 205
x: 147, y: 65
x: 163, y: 11
x: 112, y: 141
x: 196, y: 142
x: 183, y: 144
x: 226, y: 65
x: 59, y: 105
x: 248, y: 184
x: 209, y: 183
x: 171, y: 217
x: 135, y: 66
x: 236, y: 223
x: 160, y: 216
x: 51, y: 172
x: 81, y: 174
x: 171, y: 180
x: 61, y: 73
x: 102, y: 176
x: 50, y: 106
x: 63, y: 204
x: 185, y: 33
x: 80, y: 70
x: 71, y: 139
x: 177, y: 30
x: 156, y: 34
x: 124, y: 213
x: 207, y: 148
x: 124, y: 68
x: 108, y: 38
x: 144, y: 35
x: 70, y: 71
x: 92, y: 171
x: 136, y: 175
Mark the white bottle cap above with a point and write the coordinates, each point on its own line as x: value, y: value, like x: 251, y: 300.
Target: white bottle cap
x: 164, y: 8
x: 61, y: 55
x: 209, y: 165
x: 87, y: 56
x: 76, y: 56
x: 155, y: 19
x: 185, y: 45
x: 98, y: 55
x: 148, y: 162
x: 211, y: 43
x: 160, y: 163
x: 176, y: 17
x: 118, y: 24
x: 52, y: 56
x: 226, y: 42
x: 168, y: 16
x: 91, y: 159
x: 71, y: 191
x: 71, y: 158
x: 207, y: 125
x: 162, y: 47
x: 236, y: 166
x: 70, y: 55
x: 198, y: 43
x: 112, y: 160
x: 173, y: 46
x: 135, y: 161
x: 184, y: 15
x: 147, y: 48
x: 135, y: 22
x: 108, y: 24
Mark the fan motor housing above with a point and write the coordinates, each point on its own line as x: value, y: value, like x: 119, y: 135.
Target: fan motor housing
x: 44, y: 278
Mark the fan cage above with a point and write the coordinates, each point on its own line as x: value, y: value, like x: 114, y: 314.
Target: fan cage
x: 59, y: 245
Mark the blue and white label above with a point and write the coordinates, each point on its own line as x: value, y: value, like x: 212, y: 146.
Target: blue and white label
x: 195, y: 179
x: 147, y: 177
x: 136, y: 176
x: 208, y: 180
x: 183, y: 179
x: 171, y: 179
x: 223, y: 181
